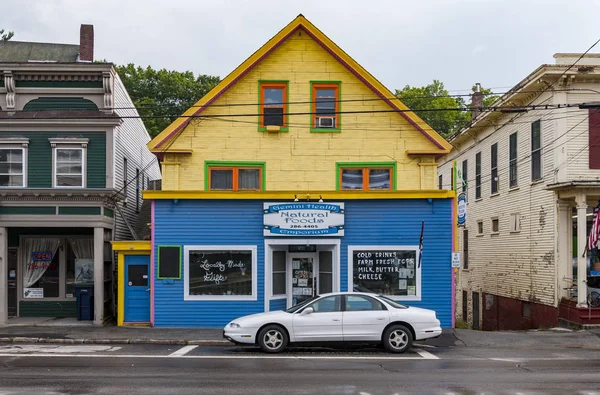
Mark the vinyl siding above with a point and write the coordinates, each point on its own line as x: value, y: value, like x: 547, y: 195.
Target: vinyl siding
x: 383, y: 222
x: 519, y: 265
x: 131, y: 138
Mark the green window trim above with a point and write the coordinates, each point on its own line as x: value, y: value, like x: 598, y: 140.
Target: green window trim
x: 76, y: 210
x: 286, y: 128
x: 213, y: 163
x: 338, y: 127
x: 158, y: 276
x: 371, y: 165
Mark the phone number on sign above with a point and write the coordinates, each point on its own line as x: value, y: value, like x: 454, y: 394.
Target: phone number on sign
x: 303, y: 226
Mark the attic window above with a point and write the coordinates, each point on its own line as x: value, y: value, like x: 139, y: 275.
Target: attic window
x: 273, y: 104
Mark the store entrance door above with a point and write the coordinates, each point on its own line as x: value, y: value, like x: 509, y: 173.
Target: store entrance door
x: 304, y: 276
x: 12, y: 281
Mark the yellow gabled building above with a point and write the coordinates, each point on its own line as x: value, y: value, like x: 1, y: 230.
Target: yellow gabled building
x: 310, y: 176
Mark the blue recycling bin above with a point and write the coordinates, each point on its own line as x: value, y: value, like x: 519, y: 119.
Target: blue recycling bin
x: 84, y: 293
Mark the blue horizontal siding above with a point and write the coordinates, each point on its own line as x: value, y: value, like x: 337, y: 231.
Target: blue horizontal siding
x: 367, y: 222
x: 277, y: 304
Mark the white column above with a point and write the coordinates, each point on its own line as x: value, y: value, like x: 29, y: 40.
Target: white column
x: 564, y: 261
x: 581, y: 243
x: 98, y: 276
x: 3, y: 276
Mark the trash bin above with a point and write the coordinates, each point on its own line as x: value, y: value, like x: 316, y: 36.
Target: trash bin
x: 85, y: 301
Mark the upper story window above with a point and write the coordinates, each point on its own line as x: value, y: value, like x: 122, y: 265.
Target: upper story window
x: 13, y: 162
x: 464, y: 175
x: 494, y: 166
x: 478, y: 175
x: 325, y: 106
x: 594, y: 138
x: 69, y: 158
x: 512, y: 161
x: 440, y: 182
x: 273, y: 104
x: 235, y: 176
x: 365, y: 177
x: 536, y: 151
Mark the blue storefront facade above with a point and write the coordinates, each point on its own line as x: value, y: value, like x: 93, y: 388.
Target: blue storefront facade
x: 213, y: 260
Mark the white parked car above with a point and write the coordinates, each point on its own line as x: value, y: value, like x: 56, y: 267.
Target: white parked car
x: 337, y: 317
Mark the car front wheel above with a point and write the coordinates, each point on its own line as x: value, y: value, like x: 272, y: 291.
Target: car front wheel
x: 397, y: 338
x: 272, y: 339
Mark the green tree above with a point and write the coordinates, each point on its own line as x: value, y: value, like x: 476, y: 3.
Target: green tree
x: 444, y: 113
x: 6, y: 36
x: 160, y: 96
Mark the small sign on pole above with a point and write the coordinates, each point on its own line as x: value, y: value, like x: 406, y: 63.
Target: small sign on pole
x: 462, y: 209
x: 456, y: 259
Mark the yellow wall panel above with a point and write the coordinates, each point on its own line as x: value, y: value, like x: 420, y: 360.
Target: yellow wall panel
x: 298, y: 160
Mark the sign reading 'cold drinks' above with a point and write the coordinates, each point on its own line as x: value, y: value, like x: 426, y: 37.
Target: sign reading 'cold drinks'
x: 303, y: 219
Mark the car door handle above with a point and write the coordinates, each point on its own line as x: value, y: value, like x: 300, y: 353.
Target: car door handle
x: 380, y: 318
x: 336, y: 319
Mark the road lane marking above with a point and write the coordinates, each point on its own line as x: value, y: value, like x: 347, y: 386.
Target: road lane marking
x: 214, y: 356
x: 426, y: 354
x: 55, y: 349
x: 182, y: 351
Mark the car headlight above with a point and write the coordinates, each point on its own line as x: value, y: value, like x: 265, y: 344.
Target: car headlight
x: 234, y: 325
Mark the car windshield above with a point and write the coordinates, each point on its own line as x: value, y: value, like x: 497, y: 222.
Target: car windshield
x: 297, y: 307
x: 392, y: 302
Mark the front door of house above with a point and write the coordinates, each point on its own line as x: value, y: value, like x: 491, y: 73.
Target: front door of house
x: 137, y: 289
x: 304, y: 270
x: 12, y: 281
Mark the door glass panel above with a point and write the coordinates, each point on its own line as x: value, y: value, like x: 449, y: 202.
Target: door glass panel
x: 325, y: 272
x: 362, y: 303
x: 328, y: 304
x: 279, y: 272
x: 137, y: 275
x: 302, y: 280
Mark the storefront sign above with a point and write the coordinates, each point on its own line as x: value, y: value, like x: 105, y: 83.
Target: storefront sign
x: 303, y: 219
x: 33, y: 293
x: 455, y: 259
x: 462, y: 209
x: 41, y: 256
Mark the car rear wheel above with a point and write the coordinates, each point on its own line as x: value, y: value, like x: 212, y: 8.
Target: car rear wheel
x: 272, y: 339
x: 397, y: 338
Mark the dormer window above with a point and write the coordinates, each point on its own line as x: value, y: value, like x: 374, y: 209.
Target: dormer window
x: 69, y: 159
x: 13, y: 162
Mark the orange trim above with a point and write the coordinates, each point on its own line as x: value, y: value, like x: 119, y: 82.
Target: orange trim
x: 235, y: 177
x: 336, y: 98
x: 283, y: 105
x: 366, y: 176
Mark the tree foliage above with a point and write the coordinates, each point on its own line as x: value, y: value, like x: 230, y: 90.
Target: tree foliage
x: 446, y: 114
x: 162, y: 95
x: 6, y: 36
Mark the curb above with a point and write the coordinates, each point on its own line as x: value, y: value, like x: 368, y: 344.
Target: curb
x: 115, y: 341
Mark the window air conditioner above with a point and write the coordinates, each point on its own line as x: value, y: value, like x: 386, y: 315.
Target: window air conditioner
x: 326, y: 122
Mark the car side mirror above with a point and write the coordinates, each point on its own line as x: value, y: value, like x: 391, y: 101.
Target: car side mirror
x: 308, y: 310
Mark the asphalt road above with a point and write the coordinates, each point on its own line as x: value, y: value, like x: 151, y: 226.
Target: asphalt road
x: 144, y: 369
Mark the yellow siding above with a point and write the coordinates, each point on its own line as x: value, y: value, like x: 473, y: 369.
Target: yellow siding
x: 299, y: 159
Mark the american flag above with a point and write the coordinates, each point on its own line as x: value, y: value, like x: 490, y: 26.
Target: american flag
x: 593, y: 238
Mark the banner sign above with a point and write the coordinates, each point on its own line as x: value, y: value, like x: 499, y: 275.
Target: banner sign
x: 303, y: 219
x: 462, y: 209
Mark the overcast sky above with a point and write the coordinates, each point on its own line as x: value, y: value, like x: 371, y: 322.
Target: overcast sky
x: 460, y: 42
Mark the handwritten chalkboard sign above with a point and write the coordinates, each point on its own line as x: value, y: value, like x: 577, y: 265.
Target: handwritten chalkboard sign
x: 386, y: 271
x: 220, y: 272
x: 169, y: 262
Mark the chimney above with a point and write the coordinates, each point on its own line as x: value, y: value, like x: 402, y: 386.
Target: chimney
x: 86, y: 43
x: 476, y: 101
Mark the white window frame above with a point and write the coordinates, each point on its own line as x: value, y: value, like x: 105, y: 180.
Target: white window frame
x: 418, y: 270
x: 15, y: 143
x: 186, y: 272
x: 71, y: 144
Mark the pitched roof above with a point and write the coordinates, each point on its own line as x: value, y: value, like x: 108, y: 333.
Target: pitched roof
x: 158, y: 143
x: 19, y: 51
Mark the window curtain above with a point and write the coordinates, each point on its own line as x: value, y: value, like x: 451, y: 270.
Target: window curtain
x: 33, y: 273
x: 82, y: 248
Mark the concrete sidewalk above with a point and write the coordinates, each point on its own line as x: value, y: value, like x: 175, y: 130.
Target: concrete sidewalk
x: 547, y: 339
